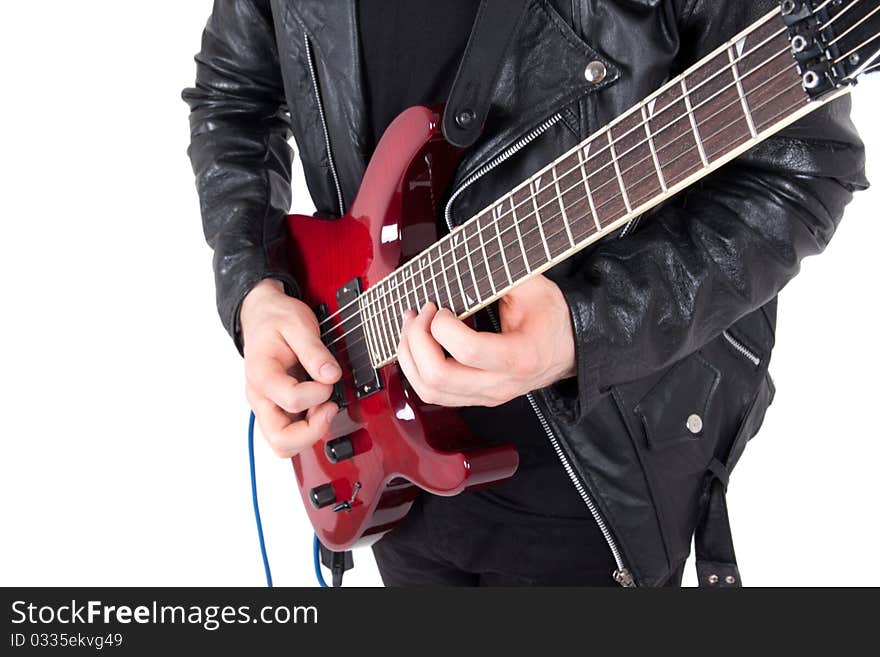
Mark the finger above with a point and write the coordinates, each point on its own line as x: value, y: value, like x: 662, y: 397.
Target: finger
x: 423, y: 347
x: 481, y: 350
x: 288, y: 437
x: 440, y: 374
x: 425, y: 392
x: 270, y: 378
x: 313, y: 354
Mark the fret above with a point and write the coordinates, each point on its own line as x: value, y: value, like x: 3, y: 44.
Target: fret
x: 616, y: 164
x: 489, y: 270
x: 407, y: 302
x: 638, y: 171
x: 497, y: 224
x: 393, y: 340
x: 529, y: 227
x: 657, y: 168
x: 718, y: 111
x: 604, y: 183
x: 415, y: 286
x: 770, y: 80
x: 460, y: 240
x: 560, y: 196
x: 533, y: 191
x: 480, y: 273
x: 392, y: 323
x: 452, y: 305
x: 554, y: 204
x: 385, y: 348
x: 388, y: 293
x: 579, y: 220
x: 673, y: 137
x: 422, y: 265
x: 519, y: 235
x: 586, y: 179
x: 374, y: 333
x: 369, y: 330
x: 731, y: 55
x: 434, y: 280
x: 471, y: 270
x: 411, y: 288
x: 693, y: 120
x: 401, y: 305
x: 466, y: 300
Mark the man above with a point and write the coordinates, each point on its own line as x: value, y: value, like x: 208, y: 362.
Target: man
x: 646, y: 355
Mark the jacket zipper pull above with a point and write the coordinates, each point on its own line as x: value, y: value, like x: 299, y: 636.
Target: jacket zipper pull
x: 624, y: 578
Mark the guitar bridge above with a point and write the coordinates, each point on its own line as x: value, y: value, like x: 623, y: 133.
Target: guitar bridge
x: 366, y: 377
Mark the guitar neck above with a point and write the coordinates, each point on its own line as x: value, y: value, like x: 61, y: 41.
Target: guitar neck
x: 737, y: 96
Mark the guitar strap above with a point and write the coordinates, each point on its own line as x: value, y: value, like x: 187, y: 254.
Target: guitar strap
x: 494, y: 27
x: 713, y: 540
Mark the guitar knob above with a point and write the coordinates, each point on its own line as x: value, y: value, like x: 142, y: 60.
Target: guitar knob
x: 323, y: 495
x: 339, y: 449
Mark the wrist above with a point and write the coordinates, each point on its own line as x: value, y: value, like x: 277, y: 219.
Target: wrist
x: 265, y: 289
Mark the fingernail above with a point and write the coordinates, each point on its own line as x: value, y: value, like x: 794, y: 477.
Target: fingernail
x: 330, y: 414
x: 329, y: 370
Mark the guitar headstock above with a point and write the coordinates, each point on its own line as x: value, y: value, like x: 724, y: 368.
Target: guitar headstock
x: 834, y: 41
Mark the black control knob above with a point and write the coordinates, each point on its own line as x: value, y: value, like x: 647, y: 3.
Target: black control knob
x: 339, y: 449
x: 323, y: 495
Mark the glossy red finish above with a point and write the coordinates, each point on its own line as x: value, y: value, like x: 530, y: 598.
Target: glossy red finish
x: 402, y: 444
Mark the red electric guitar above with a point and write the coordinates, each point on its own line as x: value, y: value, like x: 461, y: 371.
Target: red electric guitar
x: 360, y: 273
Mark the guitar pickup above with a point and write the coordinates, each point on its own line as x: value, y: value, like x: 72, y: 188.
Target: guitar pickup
x: 366, y: 377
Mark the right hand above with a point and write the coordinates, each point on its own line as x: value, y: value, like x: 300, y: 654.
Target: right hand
x: 281, y: 344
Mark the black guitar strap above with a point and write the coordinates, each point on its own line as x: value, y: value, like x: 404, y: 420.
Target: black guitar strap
x: 713, y: 540
x: 471, y: 94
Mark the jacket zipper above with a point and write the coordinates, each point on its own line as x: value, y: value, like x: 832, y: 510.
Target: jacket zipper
x: 311, y: 59
x: 742, y: 349
x: 621, y: 574
x: 506, y: 154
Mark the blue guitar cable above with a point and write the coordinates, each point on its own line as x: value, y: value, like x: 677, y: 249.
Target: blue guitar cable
x: 256, y: 502
x: 317, y: 552
x: 317, y: 544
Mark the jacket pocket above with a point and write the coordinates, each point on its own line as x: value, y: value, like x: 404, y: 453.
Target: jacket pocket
x: 677, y: 409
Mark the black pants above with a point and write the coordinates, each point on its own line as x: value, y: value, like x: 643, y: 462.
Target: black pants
x: 453, y: 542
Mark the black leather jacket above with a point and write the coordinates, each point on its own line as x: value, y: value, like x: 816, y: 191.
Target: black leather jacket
x: 674, y: 320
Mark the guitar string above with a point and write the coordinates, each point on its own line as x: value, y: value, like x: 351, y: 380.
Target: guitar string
x: 534, y: 247
x: 640, y: 126
x: 672, y: 104
x: 855, y: 50
x: 365, y: 358
x: 385, y: 290
x: 446, y: 268
x: 853, y: 26
x: 383, y: 311
x: 388, y: 330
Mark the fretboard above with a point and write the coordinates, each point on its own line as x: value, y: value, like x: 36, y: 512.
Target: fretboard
x: 737, y: 96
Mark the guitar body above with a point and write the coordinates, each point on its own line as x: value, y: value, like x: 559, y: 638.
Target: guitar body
x: 388, y: 443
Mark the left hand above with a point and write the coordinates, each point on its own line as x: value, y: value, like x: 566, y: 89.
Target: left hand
x: 534, y: 349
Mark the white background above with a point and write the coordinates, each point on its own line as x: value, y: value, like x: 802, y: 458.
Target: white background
x: 124, y: 456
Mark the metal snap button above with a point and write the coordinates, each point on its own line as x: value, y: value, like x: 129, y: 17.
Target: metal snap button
x: 464, y: 118
x: 695, y: 423
x: 595, y: 72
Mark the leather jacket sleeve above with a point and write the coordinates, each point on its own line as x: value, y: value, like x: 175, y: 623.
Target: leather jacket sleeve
x: 719, y: 251
x: 239, y: 151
